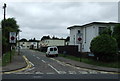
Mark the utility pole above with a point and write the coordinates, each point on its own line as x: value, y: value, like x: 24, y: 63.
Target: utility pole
x: 4, y: 7
x: 3, y: 26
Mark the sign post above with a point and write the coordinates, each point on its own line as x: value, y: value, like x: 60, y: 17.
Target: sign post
x: 79, y: 41
x: 12, y: 40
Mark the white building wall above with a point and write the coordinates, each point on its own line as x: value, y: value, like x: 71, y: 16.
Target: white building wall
x: 50, y: 42
x: 89, y: 32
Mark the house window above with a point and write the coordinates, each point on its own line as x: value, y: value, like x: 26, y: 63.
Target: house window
x: 78, y: 31
x: 101, y: 29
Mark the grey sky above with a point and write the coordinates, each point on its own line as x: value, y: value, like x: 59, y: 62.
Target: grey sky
x: 37, y: 19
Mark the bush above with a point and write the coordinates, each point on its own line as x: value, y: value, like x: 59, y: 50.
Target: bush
x: 116, y: 34
x: 104, y: 47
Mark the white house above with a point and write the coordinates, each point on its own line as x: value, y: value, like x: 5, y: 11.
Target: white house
x: 28, y: 44
x: 52, y: 42
x: 82, y: 35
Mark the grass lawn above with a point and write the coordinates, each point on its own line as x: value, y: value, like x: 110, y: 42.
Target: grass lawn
x: 6, y: 57
x: 93, y: 62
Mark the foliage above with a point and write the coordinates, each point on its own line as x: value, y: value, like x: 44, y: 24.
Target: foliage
x: 45, y: 37
x: 107, y: 31
x: 67, y: 39
x: 114, y: 64
x: 23, y: 40
x: 8, y: 25
x: 116, y: 34
x: 104, y: 47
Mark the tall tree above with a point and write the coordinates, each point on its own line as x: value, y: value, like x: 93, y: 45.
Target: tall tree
x: 45, y: 37
x: 8, y: 25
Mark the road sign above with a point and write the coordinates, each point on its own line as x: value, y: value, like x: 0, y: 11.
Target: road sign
x: 12, y: 38
x: 79, y: 38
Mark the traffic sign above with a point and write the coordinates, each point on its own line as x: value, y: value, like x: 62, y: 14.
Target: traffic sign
x: 79, y: 39
x: 12, y: 38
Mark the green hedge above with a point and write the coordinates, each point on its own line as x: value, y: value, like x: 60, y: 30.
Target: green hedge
x: 104, y: 47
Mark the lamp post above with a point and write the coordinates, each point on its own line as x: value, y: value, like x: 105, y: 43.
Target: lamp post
x: 19, y: 42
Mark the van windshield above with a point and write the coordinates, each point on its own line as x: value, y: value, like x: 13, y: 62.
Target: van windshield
x: 55, y: 49
x: 51, y: 49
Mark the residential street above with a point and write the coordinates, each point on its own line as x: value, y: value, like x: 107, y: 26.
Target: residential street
x: 49, y: 67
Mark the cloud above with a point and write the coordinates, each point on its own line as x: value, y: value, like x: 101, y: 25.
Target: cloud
x: 52, y: 18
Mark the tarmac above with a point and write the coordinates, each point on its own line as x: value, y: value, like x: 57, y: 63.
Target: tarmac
x: 18, y: 62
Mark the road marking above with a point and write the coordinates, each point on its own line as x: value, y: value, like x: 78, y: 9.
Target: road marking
x: 28, y: 66
x: 54, y: 68
x: 30, y: 69
x: 31, y: 63
x: 72, y: 72
x: 86, y: 69
x: 58, y: 61
x: 50, y: 73
x: 62, y: 72
x: 39, y: 73
x: 38, y: 58
x: 43, y: 61
x: 93, y: 72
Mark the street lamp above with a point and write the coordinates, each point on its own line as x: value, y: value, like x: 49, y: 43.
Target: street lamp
x: 19, y: 42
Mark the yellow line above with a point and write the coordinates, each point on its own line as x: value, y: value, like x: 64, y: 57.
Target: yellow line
x: 85, y: 68
x: 28, y: 66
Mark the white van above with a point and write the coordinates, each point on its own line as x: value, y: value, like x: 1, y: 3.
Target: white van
x: 52, y: 50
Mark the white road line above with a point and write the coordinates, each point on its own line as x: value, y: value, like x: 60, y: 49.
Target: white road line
x: 38, y: 58
x: 54, y: 68
x: 39, y: 73
x: 32, y: 68
x: 31, y: 63
x: 62, y: 72
x: 83, y: 72
x: 43, y: 61
x: 50, y: 73
x: 72, y: 72
x: 58, y: 62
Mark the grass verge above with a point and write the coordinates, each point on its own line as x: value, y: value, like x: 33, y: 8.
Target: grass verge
x: 115, y: 64
x: 6, y: 57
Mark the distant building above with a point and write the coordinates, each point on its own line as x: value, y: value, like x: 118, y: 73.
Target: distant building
x: 24, y: 44
x: 52, y: 42
x: 85, y: 33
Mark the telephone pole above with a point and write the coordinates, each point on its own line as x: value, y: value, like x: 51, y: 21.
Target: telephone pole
x: 4, y: 7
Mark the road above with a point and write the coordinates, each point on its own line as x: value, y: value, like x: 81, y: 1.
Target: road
x: 49, y: 67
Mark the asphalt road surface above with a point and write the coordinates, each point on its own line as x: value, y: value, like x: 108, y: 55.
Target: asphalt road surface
x: 47, y: 67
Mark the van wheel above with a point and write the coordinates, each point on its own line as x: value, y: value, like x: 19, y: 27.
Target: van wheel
x: 47, y: 55
x: 56, y: 55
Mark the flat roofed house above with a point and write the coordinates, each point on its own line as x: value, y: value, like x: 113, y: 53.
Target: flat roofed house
x: 53, y: 42
x: 85, y: 33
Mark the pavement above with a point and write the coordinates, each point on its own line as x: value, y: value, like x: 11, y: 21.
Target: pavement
x: 18, y: 62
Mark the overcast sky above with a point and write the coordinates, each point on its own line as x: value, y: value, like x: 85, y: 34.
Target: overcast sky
x: 37, y: 19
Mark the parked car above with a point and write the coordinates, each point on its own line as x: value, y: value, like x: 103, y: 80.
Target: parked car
x: 52, y: 51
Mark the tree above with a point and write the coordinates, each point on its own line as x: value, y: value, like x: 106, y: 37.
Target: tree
x: 116, y: 34
x: 67, y: 39
x: 8, y: 25
x: 104, y: 47
x: 107, y: 31
x: 23, y: 40
x: 45, y: 37
x: 54, y: 37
